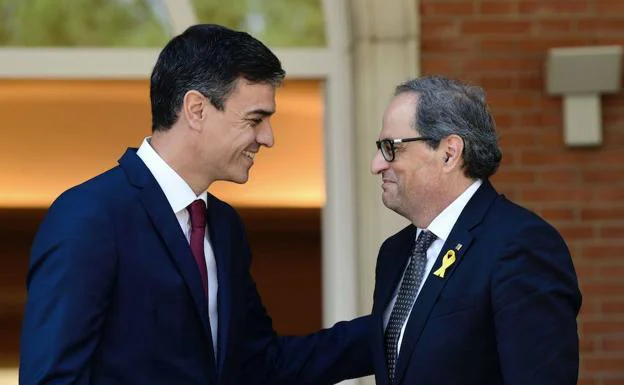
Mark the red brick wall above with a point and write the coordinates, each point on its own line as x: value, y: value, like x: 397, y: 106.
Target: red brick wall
x: 502, y: 46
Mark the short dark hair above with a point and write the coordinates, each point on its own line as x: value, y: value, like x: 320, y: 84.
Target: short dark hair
x: 446, y: 106
x: 210, y: 59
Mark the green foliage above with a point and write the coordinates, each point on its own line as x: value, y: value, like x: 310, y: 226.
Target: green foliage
x: 67, y: 23
x: 287, y: 23
x: 134, y: 23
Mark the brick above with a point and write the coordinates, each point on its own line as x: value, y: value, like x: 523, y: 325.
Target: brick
x: 602, y: 213
x: 554, y: 26
x: 602, y: 363
x: 602, y: 176
x: 613, y: 343
x: 577, y: 232
x: 437, y: 65
x: 531, y: 82
x: 556, y: 194
x: 511, y: 100
x: 517, y: 140
x: 587, y: 381
x: 495, y: 82
x: 497, y: 8
x: 541, y: 157
x: 606, y: 194
x: 603, y: 327
x: 613, y: 289
x: 498, y: 44
x: 612, y: 231
x: 496, y: 27
x: 553, y: 120
x: 586, y: 272
x: 609, y: 6
x: 550, y: 102
x: 549, y: 140
x: 608, y: 156
x: 558, y: 214
x: 613, y: 306
x: 610, y: 272
x: 601, y: 25
x: 542, y: 45
x: 503, y: 65
x: 559, y: 177
x: 604, y: 252
x: 554, y: 8
x: 587, y: 345
x: 613, y: 381
x: 439, y: 28
x: 436, y: 45
x: 530, y: 118
x: 447, y: 9
x: 612, y: 116
x: 503, y: 121
x: 514, y: 176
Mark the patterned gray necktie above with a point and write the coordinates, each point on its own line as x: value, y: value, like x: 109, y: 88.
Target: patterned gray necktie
x: 405, y: 299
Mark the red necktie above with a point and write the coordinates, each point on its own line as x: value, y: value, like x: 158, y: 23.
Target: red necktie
x: 197, y: 211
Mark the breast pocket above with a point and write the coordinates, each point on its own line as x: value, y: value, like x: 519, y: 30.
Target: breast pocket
x: 449, y: 306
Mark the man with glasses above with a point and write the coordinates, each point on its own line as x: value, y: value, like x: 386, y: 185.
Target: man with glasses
x: 477, y: 290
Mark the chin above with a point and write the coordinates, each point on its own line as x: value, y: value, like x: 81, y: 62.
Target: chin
x: 241, y: 179
x: 387, y: 202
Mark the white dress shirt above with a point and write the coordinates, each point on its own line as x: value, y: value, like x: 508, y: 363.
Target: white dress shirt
x: 179, y: 195
x: 441, y: 226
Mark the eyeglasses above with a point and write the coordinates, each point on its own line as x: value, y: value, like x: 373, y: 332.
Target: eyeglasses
x: 387, y: 146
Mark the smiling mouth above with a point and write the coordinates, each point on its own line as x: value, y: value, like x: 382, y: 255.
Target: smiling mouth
x: 249, y: 154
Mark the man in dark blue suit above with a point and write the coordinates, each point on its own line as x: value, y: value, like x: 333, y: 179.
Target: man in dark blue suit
x: 139, y: 276
x: 477, y: 290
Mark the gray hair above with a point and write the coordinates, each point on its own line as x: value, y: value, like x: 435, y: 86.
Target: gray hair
x: 446, y: 107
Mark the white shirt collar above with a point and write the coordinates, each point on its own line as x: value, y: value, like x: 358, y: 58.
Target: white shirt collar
x: 179, y: 194
x: 442, y: 225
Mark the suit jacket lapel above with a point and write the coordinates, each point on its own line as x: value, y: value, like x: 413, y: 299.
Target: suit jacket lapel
x: 220, y: 228
x: 427, y: 297
x: 459, y: 240
x: 398, y: 254
x: 166, y: 224
x: 394, y: 260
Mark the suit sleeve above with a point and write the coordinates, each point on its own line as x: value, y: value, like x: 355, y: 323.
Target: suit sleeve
x: 325, y: 357
x: 535, y: 299
x: 69, y: 284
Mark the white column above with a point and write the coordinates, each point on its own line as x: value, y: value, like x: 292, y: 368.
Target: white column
x: 386, y: 43
x: 181, y: 15
x: 368, y: 59
x: 339, y: 267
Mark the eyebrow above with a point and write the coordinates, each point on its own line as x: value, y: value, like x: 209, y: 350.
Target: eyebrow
x: 260, y: 111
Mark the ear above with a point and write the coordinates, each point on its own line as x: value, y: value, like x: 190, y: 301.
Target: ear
x: 452, y: 149
x: 193, y: 109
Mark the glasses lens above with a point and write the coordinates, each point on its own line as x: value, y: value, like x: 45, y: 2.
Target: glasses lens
x: 386, y: 149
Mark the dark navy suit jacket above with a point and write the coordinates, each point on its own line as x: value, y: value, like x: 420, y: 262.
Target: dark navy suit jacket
x: 114, y: 297
x: 505, y: 311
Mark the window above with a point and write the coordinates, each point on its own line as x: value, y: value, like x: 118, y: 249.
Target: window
x: 83, y: 23
x: 278, y: 23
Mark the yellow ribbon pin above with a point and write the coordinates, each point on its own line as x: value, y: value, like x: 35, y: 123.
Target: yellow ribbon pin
x: 447, y: 261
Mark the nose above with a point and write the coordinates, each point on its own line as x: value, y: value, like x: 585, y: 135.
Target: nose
x: 264, y: 135
x: 379, y: 164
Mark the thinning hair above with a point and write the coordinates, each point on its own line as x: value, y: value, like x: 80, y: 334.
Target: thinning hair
x: 445, y: 107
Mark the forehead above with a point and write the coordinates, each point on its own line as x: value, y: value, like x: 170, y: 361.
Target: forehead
x: 398, y: 118
x: 249, y: 96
